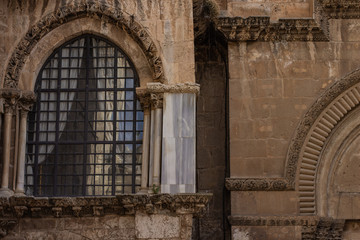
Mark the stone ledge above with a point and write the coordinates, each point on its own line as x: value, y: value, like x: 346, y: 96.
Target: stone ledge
x: 346, y: 9
x: 131, y: 204
x: 261, y: 29
x: 258, y: 184
x: 312, y: 227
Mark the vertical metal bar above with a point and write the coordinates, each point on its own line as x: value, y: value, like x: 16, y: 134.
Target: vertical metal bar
x: 87, y: 72
x: 57, y: 124
x: 114, y: 123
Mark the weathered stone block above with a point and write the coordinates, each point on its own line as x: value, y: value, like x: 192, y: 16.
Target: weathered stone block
x: 157, y: 226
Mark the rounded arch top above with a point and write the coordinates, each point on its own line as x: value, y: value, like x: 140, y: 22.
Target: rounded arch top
x: 312, y: 133
x: 94, y: 10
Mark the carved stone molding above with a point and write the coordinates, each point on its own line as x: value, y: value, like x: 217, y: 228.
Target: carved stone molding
x: 256, y: 184
x: 341, y: 8
x: 174, y: 88
x: 311, y: 227
x: 74, y: 10
x: 17, y: 207
x: 261, y: 29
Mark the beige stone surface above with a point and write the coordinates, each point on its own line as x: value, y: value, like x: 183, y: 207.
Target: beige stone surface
x: 264, y: 203
x: 157, y: 226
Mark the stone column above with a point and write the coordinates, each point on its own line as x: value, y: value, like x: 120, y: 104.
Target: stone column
x: 10, y: 96
x: 157, y: 102
x: 145, y: 103
x: 25, y: 105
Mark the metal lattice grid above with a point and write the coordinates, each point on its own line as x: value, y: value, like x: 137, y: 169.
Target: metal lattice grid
x: 85, y: 131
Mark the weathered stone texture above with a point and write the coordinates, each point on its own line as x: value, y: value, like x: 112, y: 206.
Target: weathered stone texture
x: 211, y: 135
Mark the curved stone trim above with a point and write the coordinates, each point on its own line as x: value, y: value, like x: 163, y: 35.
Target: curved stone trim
x: 315, y: 142
x: 16, y: 207
x: 88, y: 8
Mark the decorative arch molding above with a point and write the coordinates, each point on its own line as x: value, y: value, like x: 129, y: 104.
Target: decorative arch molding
x: 313, y: 133
x: 88, y: 8
x: 343, y: 96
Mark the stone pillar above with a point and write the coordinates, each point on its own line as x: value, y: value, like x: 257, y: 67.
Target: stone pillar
x: 157, y: 102
x: 152, y: 139
x: 25, y: 104
x: 145, y: 103
x: 10, y: 97
x: 179, y: 143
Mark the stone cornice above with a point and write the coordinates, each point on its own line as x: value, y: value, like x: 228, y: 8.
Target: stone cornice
x: 341, y: 8
x: 311, y: 227
x: 258, y: 184
x: 261, y: 29
x: 173, y: 88
x: 16, y: 207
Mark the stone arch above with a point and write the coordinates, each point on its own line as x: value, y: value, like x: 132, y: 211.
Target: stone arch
x: 46, y: 45
x: 68, y: 13
x: 313, y: 132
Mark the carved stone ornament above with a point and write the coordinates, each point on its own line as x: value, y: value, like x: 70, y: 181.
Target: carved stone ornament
x: 173, y: 88
x: 17, y: 207
x: 10, y: 99
x: 157, y: 100
x: 26, y: 101
x: 311, y: 227
x: 257, y: 184
x: 75, y: 10
x: 261, y: 29
x: 341, y: 8
x: 144, y: 98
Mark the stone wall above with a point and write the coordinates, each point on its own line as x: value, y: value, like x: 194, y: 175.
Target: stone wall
x: 140, y: 226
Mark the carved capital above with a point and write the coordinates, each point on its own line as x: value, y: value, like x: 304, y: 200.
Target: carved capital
x: 157, y: 100
x: 10, y: 99
x: 27, y: 99
x: 144, y: 98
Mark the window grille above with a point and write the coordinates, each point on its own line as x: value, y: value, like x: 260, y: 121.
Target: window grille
x: 85, y: 130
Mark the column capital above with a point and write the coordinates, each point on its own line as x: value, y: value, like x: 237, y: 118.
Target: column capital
x: 145, y: 99
x: 9, y: 99
x: 157, y: 100
x: 27, y: 99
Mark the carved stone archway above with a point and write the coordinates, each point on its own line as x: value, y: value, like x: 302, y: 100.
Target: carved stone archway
x: 90, y: 9
x: 312, y: 134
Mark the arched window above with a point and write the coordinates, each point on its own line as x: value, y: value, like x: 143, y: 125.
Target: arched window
x: 85, y: 130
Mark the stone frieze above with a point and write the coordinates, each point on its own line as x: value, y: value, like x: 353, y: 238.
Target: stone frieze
x: 17, y: 207
x: 261, y: 29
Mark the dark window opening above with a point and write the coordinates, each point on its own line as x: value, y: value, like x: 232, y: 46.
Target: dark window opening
x: 85, y: 130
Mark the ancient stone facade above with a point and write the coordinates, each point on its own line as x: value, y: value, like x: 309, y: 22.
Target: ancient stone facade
x: 252, y: 102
